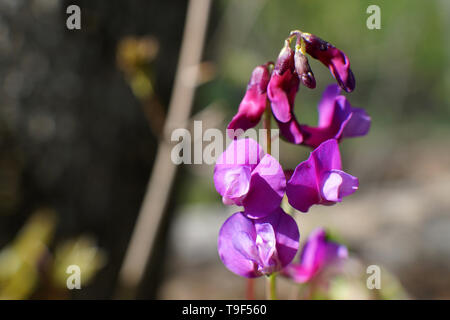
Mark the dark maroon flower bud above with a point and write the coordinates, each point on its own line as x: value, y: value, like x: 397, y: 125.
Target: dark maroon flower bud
x: 254, y: 102
x: 333, y: 58
x: 285, y: 60
x: 303, y: 69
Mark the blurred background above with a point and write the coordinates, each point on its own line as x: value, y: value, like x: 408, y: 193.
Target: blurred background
x: 82, y: 113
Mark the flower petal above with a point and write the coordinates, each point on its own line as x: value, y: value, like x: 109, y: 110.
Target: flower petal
x: 319, y: 180
x: 333, y: 58
x: 327, y: 104
x: 267, y: 187
x: 301, y: 189
x: 253, y: 247
x: 338, y: 184
x: 281, y: 91
x: 317, y: 254
x: 291, y: 130
x: 236, y: 245
x: 232, y: 172
x: 286, y: 234
x: 358, y: 125
x: 254, y: 102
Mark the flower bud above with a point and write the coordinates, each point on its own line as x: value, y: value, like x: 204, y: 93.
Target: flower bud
x: 253, y: 104
x: 333, y: 58
x: 303, y: 69
x: 285, y: 60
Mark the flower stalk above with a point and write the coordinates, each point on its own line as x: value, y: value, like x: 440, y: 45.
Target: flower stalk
x: 267, y: 127
x: 271, y: 287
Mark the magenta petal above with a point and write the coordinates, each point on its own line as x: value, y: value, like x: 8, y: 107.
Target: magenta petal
x: 338, y: 184
x: 291, y: 130
x: 254, y: 102
x: 267, y: 186
x: 333, y: 58
x: 281, y: 91
x: 254, y: 247
x: 339, y: 66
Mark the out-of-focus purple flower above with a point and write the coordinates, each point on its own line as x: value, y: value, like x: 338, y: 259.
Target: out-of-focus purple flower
x: 283, y: 85
x: 320, y: 179
x: 318, y: 253
x: 254, y: 102
x: 333, y: 58
x: 256, y: 247
x: 247, y: 177
x: 337, y: 119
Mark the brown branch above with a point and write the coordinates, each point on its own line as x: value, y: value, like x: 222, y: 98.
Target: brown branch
x: 161, y: 180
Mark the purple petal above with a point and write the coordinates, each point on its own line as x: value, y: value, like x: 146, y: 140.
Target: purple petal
x: 327, y: 157
x: 286, y: 234
x: 327, y: 104
x: 267, y: 186
x: 241, y: 152
x: 337, y: 119
x: 266, y: 244
x: 338, y: 184
x: 236, y: 182
x: 358, y: 125
x: 301, y: 189
x: 236, y: 245
x: 319, y: 180
x: 317, y: 253
x: 253, y: 247
x: 232, y: 173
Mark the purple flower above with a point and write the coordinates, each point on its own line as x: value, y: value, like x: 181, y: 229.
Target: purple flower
x: 245, y: 176
x: 337, y: 119
x: 333, y: 58
x: 318, y: 253
x: 254, y: 102
x: 283, y: 85
x: 320, y: 179
x: 256, y: 247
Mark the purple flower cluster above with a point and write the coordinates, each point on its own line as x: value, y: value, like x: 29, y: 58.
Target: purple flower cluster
x: 263, y: 239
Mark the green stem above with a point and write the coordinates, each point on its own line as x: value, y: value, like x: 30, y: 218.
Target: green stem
x: 271, y: 288
x: 267, y: 125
